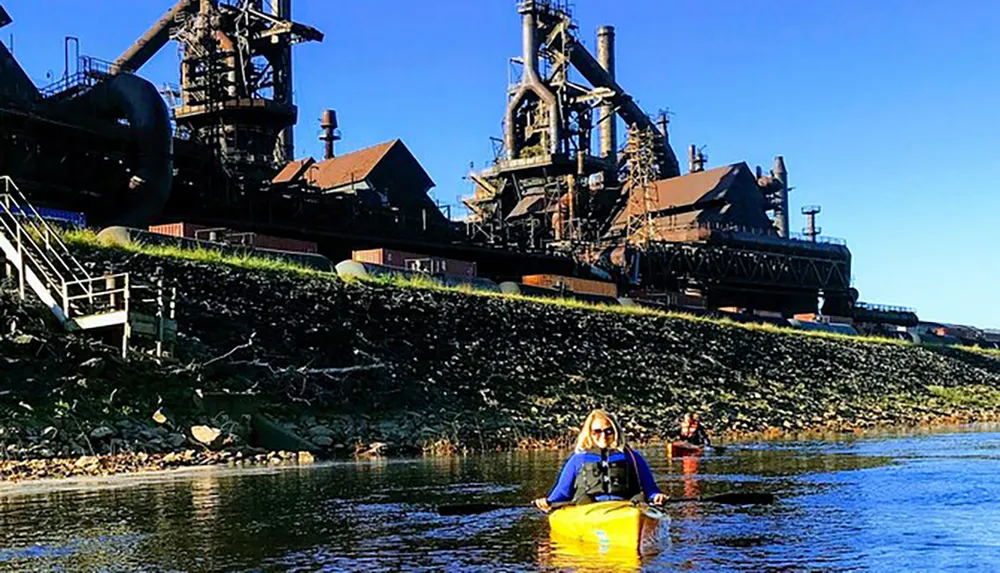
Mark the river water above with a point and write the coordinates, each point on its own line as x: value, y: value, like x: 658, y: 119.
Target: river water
x: 917, y: 502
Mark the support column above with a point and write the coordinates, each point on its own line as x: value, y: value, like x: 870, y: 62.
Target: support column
x: 283, y: 81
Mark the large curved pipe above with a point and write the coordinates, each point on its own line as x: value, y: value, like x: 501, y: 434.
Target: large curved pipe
x: 130, y: 97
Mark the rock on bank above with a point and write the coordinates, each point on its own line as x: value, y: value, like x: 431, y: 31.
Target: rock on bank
x: 409, y: 369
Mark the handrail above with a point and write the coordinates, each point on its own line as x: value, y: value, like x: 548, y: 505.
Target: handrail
x: 20, y: 219
x: 45, y: 263
x: 106, y: 293
x: 50, y: 234
x: 91, y: 71
x: 734, y: 228
x: 25, y: 238
x: 95, y: 279
x: 883, y: 307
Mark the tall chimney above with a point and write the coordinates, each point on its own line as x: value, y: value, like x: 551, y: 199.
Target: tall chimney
x: 608, y: 119
x: 811, y: 230
x: 328, y: 124
x: 529, y: 41
x: 780, y: 174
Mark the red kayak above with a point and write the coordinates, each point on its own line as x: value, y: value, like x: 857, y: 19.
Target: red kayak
x: 683, y: 449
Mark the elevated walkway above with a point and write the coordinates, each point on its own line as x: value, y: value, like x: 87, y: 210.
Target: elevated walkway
x: 41, y: 263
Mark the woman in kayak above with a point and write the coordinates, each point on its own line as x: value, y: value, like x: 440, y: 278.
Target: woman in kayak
x: 603, y: 468
x: 693, y: 432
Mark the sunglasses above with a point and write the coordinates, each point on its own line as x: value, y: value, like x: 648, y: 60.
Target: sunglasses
x: 608, y: 432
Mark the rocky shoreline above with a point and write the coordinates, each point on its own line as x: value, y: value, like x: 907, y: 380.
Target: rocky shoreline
x: 375, y: 369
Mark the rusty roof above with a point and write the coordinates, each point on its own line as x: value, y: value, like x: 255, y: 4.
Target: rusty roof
x: 293, y: 171
x: 355, y: 166
x: 694, y: 187
x: 680, y: 220
x: 690, y: 189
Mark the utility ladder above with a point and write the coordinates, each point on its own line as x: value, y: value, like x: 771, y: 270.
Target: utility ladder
x: 42, y: 263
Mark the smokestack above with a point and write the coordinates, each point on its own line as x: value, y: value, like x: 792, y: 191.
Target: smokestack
x: 811, y: 230
x: 532, y: 82
x: 328, y: 123
x: 609, y: 122
x: 780, y: 174
x: 529, y: 41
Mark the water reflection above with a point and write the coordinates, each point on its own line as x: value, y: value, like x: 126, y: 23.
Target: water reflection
x: 569, y: 554
x: 885, y: 503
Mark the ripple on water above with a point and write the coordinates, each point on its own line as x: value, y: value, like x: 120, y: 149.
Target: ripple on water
x: 922, y: 502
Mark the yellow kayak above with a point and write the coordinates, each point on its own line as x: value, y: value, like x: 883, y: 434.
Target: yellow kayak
x: 608, y: 523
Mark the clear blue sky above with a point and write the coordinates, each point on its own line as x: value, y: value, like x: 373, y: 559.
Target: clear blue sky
x: 887, y: 112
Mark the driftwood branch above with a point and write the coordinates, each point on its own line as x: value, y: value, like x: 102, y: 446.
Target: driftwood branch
x: 246, y: 344
x: 307, y: 371
x: 304, y: 371
x: 194, y: 365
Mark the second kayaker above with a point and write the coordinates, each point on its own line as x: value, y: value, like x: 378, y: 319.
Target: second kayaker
x: 603, y: 468
x: 693, y: 432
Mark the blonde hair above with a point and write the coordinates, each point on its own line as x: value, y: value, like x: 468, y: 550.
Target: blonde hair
x: 585, y: 440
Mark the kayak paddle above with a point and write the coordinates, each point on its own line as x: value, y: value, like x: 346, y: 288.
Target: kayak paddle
x: 476, y: 508
x: 732, y: 498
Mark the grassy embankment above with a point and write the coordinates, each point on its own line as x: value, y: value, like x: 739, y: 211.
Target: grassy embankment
x: 261, y: 263
x: 424, y: 367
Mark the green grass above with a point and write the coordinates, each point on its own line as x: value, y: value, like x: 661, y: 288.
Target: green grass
x: 427, y: 283
x: 991, y: 352
x: 421, y: 282
x: 978, y: 396
x: 200, y: 255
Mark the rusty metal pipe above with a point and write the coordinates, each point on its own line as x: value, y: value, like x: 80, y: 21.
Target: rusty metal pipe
x: 629, y: 111
x: 780, y: 174
x: 153, y: 40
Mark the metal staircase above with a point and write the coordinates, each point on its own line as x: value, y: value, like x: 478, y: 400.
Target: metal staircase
x: 42, y: 263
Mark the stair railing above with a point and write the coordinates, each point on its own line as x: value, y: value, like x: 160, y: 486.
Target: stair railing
x: 41, y: 248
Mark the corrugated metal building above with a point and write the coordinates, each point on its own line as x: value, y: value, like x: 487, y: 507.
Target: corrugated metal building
x: 727, y: 195
x: 385, y: 175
